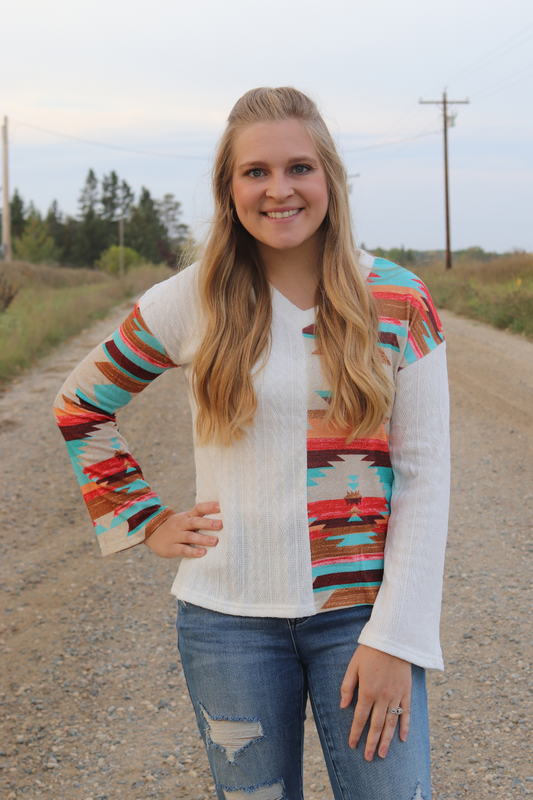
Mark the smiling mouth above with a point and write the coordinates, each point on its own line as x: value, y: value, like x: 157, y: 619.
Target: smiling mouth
x: 281, y: 214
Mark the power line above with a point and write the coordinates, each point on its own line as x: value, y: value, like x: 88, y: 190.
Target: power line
x: 487, y: 57
x: 391, y: 144
x: 471, y: 68
x: 488, y: 93
x: 112, y: 146
x: 384, y: 161
x: 406, y: 115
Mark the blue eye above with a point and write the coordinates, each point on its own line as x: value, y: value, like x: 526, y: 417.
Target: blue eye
x: 255, y: 173
x: 301, y: 169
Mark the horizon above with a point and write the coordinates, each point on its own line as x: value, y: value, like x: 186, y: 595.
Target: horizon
x: 128, y: 83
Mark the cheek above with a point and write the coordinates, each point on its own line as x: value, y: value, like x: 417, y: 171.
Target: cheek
x: 244, y: 197
x: 319, y: 198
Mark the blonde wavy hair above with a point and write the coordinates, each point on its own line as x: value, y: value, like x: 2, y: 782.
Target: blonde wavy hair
x: 236, y: 295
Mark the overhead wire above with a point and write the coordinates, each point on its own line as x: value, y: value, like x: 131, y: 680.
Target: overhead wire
x: 107, y: 145
x: 153, y: 153
x: 390, y: 144
x: 402, y: 147
x: 482, y: 62
x: 488, y: 58
x: 489, y: 93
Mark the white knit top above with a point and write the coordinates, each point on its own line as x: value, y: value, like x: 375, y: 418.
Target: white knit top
x: 310, y: 523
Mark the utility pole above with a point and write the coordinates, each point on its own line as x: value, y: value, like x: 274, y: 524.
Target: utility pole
x: 121, y: 245
x: 6, y: 217
x: 350, y: 185
x: 446, y: 122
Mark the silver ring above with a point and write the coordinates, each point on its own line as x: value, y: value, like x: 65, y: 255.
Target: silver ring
x: 397, y: 711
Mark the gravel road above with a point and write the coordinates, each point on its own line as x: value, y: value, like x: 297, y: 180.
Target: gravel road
x: 93, y: 703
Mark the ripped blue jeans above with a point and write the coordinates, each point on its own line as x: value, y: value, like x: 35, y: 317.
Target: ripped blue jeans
x: 249, y: 678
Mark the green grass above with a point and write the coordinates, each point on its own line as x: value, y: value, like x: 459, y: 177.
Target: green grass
x: 498, y: 292
x: 53, y: 304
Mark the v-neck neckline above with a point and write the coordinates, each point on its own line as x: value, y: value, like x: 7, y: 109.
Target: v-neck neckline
x: 302, y: 317
x: 297, y: 316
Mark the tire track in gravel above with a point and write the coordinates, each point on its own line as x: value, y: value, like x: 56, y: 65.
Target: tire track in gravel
x: 94, y: 703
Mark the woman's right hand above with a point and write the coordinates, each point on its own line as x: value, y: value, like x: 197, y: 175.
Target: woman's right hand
x: 179, y: 536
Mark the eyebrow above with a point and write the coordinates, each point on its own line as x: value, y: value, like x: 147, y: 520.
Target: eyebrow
x: 296, y: 160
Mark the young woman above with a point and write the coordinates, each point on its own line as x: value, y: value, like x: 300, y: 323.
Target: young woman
x: 312, y: 563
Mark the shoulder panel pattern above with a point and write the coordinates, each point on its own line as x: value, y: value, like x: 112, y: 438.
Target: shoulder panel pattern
x: 409, y: 323
x: 123, y: 508
x: 350, y: 486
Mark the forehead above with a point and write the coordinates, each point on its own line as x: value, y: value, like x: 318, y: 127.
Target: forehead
x: 273, y: 142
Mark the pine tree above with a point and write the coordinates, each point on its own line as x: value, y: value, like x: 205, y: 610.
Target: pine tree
x: 18, y: 215
x: 55, y: 225
x: 92, y: 232
x: 145, y: 232
x: 169, y: 213
x: 109, y: 198
x: 89, y: 194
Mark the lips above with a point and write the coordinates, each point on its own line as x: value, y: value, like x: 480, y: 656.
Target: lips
x: 282, y: 214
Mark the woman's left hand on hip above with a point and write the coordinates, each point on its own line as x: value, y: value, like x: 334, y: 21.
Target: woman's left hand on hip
x: 384, y: 683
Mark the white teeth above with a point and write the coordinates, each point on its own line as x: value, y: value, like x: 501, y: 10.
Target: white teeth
x: 281, y: 214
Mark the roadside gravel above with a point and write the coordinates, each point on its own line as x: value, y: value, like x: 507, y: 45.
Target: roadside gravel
x: 93, y: 704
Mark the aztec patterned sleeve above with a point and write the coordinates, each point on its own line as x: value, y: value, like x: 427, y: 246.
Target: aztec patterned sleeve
x: 123, y: 508
x: 406, y: 614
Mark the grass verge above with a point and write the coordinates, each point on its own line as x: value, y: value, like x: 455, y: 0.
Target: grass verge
x: 498, y: 292
x: 53, y: 304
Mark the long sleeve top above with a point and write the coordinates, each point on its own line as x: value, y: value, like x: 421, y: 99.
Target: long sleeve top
x: 311, y: 522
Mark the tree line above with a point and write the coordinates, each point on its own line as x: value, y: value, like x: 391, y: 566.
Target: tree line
x: 152, y: 228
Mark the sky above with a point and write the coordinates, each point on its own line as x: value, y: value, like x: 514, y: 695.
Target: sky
x: 161, y: 77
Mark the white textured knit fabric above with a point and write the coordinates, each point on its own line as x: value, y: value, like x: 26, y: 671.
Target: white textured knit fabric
x: 260, y: 482
x: 406, y: 614
x: 262, y: 564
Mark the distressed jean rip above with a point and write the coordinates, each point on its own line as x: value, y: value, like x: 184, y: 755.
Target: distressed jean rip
x: 266, y: 791
x: 232, y: 735
x: 418, y: 793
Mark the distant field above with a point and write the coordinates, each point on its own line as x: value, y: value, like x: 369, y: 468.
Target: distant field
x: 54, y: 303
x: 499, y: 292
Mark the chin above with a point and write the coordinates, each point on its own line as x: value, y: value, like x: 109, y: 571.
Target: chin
x: 286, y: 243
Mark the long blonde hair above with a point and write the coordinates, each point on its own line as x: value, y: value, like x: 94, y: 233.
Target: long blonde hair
x: 236, y: 296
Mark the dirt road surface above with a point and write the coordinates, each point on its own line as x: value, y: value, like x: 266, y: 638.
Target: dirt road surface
x: 93, y: 702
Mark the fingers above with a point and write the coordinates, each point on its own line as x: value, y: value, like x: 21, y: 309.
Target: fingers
x: 196, y: 520
x: 180, y: 537
x: 387, y: 732
x: 201, y: 523
x: 194, y: 543
x: 379, y: 724
x: 405, y: 718
x: 391, y: 721
x: 349, y: 682
x: 360, y: 717
x: 381, y: 679
x: 382, y: 727
x: 205, y: 508
x: 381, y: 730
x: 187, y: 543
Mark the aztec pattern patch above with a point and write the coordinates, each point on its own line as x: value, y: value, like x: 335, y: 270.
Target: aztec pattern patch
x: 350, y: 485
x: 123, y: 508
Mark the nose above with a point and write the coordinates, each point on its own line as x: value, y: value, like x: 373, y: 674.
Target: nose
x: 279, y: 186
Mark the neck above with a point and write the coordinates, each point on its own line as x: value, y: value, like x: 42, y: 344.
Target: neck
x: 294, y: 272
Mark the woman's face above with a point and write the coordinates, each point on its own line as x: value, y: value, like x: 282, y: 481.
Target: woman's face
x: 279, y: 184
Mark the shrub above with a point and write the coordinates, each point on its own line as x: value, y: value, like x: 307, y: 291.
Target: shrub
x: 35, y: 245
x: 7, y: 294
x: 109, y: 261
